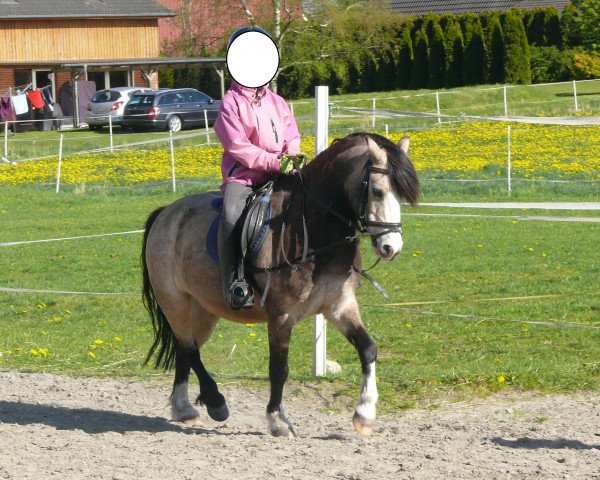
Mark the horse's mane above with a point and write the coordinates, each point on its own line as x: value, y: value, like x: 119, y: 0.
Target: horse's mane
x: 402, y: 171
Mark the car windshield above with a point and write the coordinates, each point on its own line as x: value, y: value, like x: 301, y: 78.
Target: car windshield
x: 106, y: 96
x: 142, y: 100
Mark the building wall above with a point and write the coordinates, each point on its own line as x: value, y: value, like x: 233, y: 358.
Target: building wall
x: 81, y: 39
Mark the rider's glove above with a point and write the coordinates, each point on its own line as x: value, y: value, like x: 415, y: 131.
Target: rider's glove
x: 291, y: 162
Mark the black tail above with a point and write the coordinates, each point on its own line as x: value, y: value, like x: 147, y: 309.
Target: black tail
x: 164, y: 340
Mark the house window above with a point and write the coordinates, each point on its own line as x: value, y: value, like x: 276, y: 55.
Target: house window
x: 104, y: 80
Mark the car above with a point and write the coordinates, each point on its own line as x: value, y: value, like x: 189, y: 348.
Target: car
x: 110, y: 102
x: 172, y: 109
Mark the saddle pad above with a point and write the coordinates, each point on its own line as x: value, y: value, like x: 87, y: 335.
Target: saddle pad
x: 212, y: 242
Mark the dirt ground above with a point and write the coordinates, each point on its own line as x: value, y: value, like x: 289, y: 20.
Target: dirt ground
x: 58, y: 427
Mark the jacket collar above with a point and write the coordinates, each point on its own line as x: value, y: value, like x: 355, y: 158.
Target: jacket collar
x: 253, y: 95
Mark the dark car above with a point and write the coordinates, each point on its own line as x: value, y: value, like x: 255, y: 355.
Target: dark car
x: 110, y: 102
x: 171, y: 109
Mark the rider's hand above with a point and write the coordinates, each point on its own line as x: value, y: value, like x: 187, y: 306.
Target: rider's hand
x: 291, y: 162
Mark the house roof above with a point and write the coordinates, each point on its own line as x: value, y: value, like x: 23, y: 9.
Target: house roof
x: 457, y: 7
x: 34, y: 9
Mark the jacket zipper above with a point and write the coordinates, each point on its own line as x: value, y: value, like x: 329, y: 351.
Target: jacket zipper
x: 274, y: 129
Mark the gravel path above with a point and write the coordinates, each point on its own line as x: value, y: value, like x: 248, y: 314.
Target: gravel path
x: 58, y: 427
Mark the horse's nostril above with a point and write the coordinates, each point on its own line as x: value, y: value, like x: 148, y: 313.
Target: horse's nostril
x: 387, y: 250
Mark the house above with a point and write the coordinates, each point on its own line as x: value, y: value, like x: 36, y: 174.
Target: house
x: 457, y: 7
x: 66, y: 43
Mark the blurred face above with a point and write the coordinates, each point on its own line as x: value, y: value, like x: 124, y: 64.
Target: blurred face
x: 252, y: 59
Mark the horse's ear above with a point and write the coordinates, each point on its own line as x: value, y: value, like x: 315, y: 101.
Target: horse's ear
x: 404, y: 143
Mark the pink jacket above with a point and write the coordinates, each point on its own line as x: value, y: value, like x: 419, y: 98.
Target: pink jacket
x: 254, y: 126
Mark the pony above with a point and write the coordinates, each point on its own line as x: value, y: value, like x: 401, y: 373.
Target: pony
x: 309, y: 263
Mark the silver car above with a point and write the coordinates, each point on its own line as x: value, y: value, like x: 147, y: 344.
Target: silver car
x: 110, y: 102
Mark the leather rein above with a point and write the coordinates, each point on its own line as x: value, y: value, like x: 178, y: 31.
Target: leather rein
x: 361, y: 227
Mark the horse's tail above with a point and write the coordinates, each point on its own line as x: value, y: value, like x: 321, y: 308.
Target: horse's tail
x: 164, y: 340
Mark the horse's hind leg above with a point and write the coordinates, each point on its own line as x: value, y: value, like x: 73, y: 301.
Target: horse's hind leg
x: 181, y: 408
x: 187, y: 357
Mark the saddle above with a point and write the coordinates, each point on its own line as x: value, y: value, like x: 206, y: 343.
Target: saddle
x: 252, y: 226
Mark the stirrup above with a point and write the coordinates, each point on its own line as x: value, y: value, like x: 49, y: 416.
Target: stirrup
x: 240, y: 295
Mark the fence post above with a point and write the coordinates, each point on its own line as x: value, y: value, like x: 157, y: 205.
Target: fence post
x: 60, y: 149
x: 172, y: 159
x: 206, y: 127
x: 575, y: 96
x: 292, y: 108
x: 387, y: 131
x: 505, y: 103
x: 110, y: 132
x: 373, y: 122
x: 437, y: 103
x: 6, y: 140
x: 508, y: 160
x: 321, y: 140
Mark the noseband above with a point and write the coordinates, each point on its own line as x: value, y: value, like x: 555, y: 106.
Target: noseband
x: 363, y: 217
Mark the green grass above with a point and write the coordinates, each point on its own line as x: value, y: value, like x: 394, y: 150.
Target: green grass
x: 472, y: 344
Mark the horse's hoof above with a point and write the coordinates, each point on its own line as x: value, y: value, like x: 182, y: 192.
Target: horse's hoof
x: 218, y: 414
x: 280, y: 425
x: 362, y: 425
x: 192, y: 422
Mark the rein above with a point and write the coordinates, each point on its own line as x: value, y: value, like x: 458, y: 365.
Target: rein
x: 361, y: 230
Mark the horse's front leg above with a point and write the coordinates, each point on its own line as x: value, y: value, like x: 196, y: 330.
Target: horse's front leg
x: 280, y: 332
x: 347, y: 319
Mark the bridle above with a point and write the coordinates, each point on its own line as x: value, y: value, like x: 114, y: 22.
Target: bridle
x: 361, y: 227
x: 363, y: 206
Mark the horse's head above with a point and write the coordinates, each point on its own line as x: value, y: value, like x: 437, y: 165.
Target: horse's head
x: 381, y: 178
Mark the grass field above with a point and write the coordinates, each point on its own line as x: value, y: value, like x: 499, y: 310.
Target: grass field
x: 488, y: 281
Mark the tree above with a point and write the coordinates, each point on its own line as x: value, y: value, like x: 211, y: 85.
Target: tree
x: 571, y: 35
x: 552, y: 27
x: 475, y: 54
x: 420, y: 70
x: 437, y: 58
x: 516, y: 54
x: 534, y: 21
x: 588, y: 21
x: 496, y: 53
x: 455, y: 49
x: 405, y: 57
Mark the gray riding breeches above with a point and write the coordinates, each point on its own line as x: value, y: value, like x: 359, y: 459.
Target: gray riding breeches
x: 234, y: 202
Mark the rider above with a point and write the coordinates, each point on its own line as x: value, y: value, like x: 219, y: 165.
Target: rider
x: 259, y: 135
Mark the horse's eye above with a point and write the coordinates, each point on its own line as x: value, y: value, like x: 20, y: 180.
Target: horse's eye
x: 377, y: 193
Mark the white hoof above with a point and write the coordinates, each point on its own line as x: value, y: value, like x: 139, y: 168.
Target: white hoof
x: 362, y: 425
x: 280, y: 425
x: 185, y: 414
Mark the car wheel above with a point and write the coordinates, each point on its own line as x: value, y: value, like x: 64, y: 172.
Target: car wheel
x: 174, y: 124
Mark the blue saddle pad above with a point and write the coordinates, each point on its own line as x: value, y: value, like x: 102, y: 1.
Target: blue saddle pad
x: 212, y: 243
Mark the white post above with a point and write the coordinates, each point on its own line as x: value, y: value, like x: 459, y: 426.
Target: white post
x: 505, y: 103
x: 373, y: 122
x: 321, y: 141
x: 206, y: 127
x: 6, y: 140
x: 508, y: 158
x: 387, y: 131
x: 292, y: 109
x: 575, y: 95
x: 110, y: 132
x: 437, y: 103
x: 60, y: 149
x: 172, y: 159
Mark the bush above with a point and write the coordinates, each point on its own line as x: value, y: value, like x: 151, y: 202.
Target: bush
x: 437, y: 59
x: 586, y: 66
x: 455, y: 54
x: 549, y: 64
x: 474, y: 59
x: 405, y: 58
x: 420, y: 69
x: 516, y: 57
